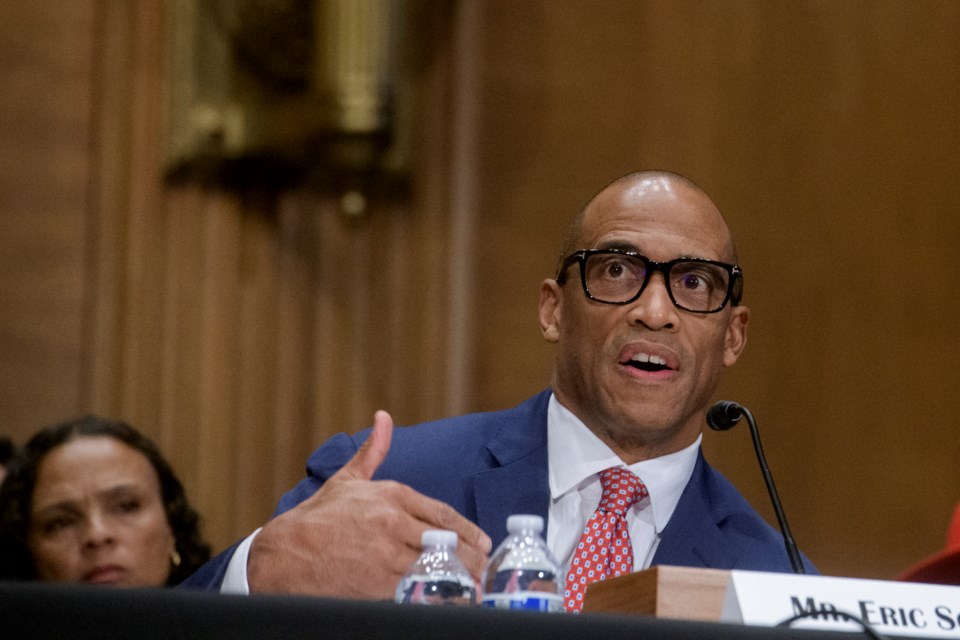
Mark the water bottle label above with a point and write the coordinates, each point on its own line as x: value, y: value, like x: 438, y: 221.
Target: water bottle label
x: 527, y: 600
x: 455, y: 590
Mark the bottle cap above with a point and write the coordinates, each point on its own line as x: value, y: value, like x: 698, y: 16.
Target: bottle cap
x: 521, y: 522
x: 438, y: 538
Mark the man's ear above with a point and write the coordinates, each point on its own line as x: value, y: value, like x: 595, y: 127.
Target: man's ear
x: 551, y: 299
x: 736, y: 336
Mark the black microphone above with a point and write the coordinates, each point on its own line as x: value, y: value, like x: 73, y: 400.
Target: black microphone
x: 723, y: 416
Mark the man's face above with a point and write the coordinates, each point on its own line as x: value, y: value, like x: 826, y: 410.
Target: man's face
x: 642, y: 411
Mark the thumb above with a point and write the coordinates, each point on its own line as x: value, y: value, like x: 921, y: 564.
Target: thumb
x: 371, y: 453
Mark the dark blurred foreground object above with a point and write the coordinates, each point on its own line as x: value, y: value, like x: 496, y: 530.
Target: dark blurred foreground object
x: 45, y: 610
x: 944, y: 567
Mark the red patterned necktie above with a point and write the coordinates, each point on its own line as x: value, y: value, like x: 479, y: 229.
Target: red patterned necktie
x: 604, y: 549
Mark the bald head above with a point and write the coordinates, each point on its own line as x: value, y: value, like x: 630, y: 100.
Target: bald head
x: 637, y: 185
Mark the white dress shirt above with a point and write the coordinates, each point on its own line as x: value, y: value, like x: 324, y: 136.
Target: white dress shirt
x: 575, y: 457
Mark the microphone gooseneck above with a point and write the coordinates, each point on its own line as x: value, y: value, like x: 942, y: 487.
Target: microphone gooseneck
x: 724, y: 415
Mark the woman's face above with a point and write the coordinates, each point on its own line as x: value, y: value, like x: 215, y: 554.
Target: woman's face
x: 97, y: 516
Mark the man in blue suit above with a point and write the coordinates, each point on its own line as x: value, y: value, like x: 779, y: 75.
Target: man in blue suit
x: 645, y: 312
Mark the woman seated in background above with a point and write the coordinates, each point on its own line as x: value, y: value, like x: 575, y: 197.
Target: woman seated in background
x: 93, y: 501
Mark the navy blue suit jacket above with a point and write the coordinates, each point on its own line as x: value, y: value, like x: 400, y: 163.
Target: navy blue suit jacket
x: 488, y: 466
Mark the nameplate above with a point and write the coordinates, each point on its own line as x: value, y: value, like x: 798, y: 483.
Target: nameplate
x: 894, y: 608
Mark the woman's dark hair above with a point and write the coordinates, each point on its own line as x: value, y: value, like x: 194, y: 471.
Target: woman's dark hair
x: 16, y: 495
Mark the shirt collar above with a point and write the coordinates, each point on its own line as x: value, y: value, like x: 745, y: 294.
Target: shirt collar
x: 576, y: 456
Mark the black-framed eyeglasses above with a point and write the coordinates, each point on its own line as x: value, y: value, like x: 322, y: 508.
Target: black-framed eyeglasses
x: 613, y: 276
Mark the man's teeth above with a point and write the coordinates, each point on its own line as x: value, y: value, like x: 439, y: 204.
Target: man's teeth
x: 646, y: 357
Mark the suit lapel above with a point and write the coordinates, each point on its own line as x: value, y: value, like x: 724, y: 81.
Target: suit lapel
x: 692, y: 537
x: 519, y: 480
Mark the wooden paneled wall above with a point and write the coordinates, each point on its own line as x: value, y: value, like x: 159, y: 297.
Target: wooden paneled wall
x: 46, y: 66
x: 241, y: 331
x: 245, y: 328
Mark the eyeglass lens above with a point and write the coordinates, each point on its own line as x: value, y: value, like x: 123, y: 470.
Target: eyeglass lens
x: 694, y: 285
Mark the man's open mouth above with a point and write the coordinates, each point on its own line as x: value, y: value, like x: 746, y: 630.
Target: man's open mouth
x: 647, y: 362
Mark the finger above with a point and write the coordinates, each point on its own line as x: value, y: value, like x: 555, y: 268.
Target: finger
x: 408, y: 530
x: 469, y: 533
x: 371, y: 453
x: 439, y: 515
x: 473, y: 559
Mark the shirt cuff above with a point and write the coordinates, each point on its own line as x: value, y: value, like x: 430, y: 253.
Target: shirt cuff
x: 235, y: 578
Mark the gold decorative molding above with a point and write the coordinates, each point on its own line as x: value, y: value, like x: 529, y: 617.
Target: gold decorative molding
x: 265, y: 94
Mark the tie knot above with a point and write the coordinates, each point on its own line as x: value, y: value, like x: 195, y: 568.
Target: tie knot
x: 621, y: 488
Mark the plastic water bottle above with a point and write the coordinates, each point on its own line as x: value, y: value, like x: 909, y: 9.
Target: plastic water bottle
x: 522, y: 573
x: 438, y: 576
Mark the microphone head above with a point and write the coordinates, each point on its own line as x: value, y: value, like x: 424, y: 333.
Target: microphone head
x: 724, y: 415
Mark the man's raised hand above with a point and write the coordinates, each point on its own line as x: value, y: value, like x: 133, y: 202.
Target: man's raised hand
x: 356, y: 537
